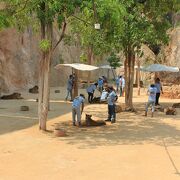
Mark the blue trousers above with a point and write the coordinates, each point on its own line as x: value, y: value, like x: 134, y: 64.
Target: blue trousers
x: 111, y: 112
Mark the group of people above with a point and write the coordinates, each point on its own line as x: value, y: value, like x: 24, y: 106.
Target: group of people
x: 154, y: 92
x: 109, y: 95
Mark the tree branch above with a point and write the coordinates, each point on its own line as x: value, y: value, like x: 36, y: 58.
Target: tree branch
x: 26, y: 2
x: 61, y: 36
x: 81, y: 20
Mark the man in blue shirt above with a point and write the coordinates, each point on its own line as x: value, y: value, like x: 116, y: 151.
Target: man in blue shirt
x: 111, y: 99
x: 90, y: 91
x: 77, y: 109
x: 117, y: 83
x: 100, y: 84
x: 69, y: 87
x: 151, y: 99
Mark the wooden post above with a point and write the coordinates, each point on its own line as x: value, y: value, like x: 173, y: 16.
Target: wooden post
x: 138, y: 77
x: 75, y: 87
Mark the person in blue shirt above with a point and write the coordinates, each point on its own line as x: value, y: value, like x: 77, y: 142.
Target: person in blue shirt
x: 69, y: 87
x: 159, y: 90
x: 77, y: 109
x: 117, y: 83
x: 100, y: 84
x: 90, y: 91
x: 111, y: 99
x: 151, y: 99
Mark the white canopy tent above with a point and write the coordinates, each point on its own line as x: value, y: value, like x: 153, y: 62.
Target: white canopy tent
x: 159, y: 68
x: 78, y: 66
x: 105, y: 67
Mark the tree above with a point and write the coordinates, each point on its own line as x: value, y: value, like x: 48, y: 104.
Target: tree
x: 144, y: 24
x: 95, y: 43
x: 114, y: 62
x: 46, y: 13
x: 126, y: 25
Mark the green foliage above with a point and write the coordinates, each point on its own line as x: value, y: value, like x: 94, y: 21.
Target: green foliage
x: 109, y: 14
x: 83, y: 58
x: 45, y: 45
x: 114, y: 61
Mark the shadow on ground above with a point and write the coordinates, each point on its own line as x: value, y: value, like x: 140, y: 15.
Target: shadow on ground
x: 130, y: 128
x: 12, y: 119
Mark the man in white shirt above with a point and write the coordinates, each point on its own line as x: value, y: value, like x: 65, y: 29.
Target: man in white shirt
x: 121, y: 85
x: 151, y: 99
x: 77, y: 102
x: 104, y: 95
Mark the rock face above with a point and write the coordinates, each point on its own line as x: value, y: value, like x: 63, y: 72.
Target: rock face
x: 172, y: 52
x: 172, y: 92
x: 18, y: 60
x: 20, y: 55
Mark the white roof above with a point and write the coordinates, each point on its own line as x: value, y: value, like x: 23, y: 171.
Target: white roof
x: 160, y: 68
x: 105, y: 66
x: 78, y: 66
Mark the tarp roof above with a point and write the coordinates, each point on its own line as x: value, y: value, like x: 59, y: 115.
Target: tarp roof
x: 109, y: 67
x: 105, y: 66
x: 160, y: 68
x: 78, y: 66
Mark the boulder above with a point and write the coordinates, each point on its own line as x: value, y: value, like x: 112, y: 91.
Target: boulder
x: 57, y: 91
x: 12, y: 96
x: 34, y: 90
x: 59, y: 132
x: 24, y: 108
x: 176, y: 105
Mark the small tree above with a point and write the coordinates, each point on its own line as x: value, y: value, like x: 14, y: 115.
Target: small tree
x: 114, y: 62
x: 46, y: 13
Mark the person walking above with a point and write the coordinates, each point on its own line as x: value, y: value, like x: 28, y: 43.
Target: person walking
x: 159, y: 90
x: 151, y: 99
x: 69, y: 87
x: 90, y: 91
x: 77, y: 109
x: 121, y: 85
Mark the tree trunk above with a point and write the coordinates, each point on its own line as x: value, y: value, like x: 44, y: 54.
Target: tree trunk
x: 129, y: 79
x: 75, y: 88
x: 43, y: 91
x: 90, y: 60
x: 138, y: 77
x: 43, y: 100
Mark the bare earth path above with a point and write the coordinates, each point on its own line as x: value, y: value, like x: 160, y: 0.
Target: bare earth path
x: 136, y: 147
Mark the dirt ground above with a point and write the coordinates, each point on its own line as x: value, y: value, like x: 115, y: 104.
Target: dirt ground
x: 136, y: 147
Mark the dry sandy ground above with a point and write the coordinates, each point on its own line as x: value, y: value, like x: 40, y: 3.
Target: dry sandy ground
x: 136, y: 147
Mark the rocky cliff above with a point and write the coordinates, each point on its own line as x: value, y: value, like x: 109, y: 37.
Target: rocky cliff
x: 19, y: 59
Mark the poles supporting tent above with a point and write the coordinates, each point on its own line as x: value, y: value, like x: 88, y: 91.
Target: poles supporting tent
x: 75, y: 85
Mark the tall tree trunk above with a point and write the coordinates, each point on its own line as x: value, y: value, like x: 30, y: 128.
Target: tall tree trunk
x: 90, y: 60
x: 138, y: 77
x: 43, y: 103
x: 129, y: 79
x: 43, y: 91
x: 75, y: 88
